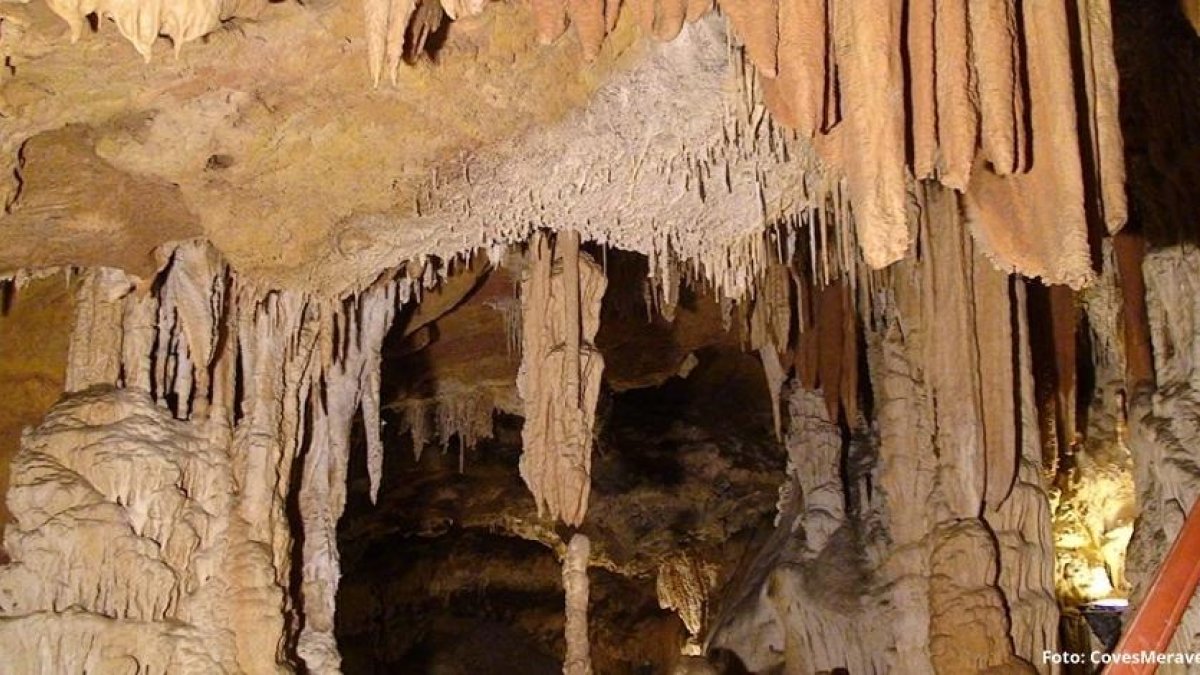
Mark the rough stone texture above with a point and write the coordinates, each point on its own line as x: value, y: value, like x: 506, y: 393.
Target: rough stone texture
x: 559, y: 380
x: 899, y: 532
x: 35, y: 328
x: 127, y: 517
x: 327, y: 196
x: 1165, y: 424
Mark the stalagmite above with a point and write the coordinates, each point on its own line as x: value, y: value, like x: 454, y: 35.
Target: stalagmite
x: 814, y: 446
x: 559, y: 379
x: 575, y: 587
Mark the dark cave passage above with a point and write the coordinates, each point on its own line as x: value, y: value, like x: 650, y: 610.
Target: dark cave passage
x: 452, y: 571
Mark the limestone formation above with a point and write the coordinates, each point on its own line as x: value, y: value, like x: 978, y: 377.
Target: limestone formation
x: 575, y: 587
x: 560, y: 373
x: 800, y: 333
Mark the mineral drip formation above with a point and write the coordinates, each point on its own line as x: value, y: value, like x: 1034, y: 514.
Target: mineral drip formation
x: 575, y: 587
x: 939, y: 509
x: 151, y: 524
x: 978, y: 97
x: 559, y: 378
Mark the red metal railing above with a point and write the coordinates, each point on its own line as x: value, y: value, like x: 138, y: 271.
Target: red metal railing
x: 1158, y: 616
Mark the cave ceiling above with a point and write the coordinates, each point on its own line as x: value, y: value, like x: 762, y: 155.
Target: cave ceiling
x: 319, y: 144
x: 267, y: 138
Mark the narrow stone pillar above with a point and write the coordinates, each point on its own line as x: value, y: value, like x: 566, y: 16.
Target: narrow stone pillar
x: 575, y: 586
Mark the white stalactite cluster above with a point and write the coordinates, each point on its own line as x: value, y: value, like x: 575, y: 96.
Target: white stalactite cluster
x: 142, y: 21
x: 559, y: 378
x: 348, y: 354
x: 153, y: 499
x: 466, y: 415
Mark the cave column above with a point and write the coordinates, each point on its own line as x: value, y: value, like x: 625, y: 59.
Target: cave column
x: 559, y: 383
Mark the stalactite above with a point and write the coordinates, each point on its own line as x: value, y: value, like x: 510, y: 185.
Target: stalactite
x: 95, y: 351
x: 466, y: 416
x: 587, y: 16
x: 142, y: 527
x: 682, y: 585
x: 696, y: 9
x: 559, y: 383
x: 575, y: 587
x: 191, y: 302
x: 386, y: 24
x: 797, y: 95
x: 922, y: 81
x: 756, y: 22
x: 1100, y: 79
x: 350, y: 359
x: 868, y: 42
x: 550, y: 17
x: 462, y: 8
x: 957, y: 117
x: 669, y: 18
x: 995, y: 54
x: 1022, y: 522
x: 1064, y: 322
x: 142, y: 21
x: 1034, y: 222
x: 1130, y: 252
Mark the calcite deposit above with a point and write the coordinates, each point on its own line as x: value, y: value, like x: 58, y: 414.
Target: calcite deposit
x: 587, y: 336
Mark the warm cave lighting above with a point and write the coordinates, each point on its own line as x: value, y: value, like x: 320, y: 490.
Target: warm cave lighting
x: 598, y: 337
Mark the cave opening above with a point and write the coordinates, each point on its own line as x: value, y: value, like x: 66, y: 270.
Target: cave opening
x: 453, y: 571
